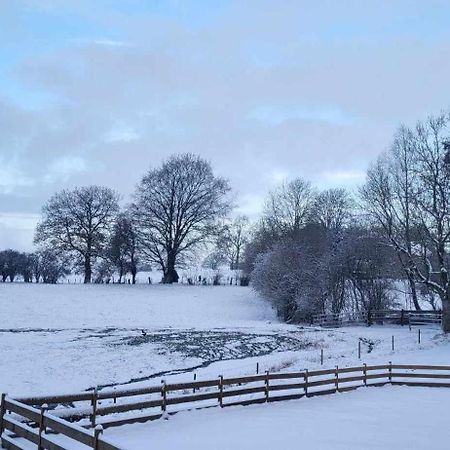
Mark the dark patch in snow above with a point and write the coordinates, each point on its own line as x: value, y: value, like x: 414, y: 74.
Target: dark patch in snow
x: 369, y: 343
x: 214, y: 346
x: 30, y: 330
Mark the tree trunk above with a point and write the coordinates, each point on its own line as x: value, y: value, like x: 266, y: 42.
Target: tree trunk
x: 170, y: 274
x: 133, y: 275
x: 446, y: 315
x: 87, y: 269
x: 412, y: 285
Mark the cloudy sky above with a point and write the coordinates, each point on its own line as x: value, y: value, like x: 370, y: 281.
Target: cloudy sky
x: 98, y: 91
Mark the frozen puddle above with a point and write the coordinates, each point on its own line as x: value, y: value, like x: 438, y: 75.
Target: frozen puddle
x: 371, y: 418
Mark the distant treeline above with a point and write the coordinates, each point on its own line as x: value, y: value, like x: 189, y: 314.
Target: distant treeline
x: 311, y: 252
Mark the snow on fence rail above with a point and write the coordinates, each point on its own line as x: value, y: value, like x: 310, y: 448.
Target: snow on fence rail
x: 26, y: 420
x: 33, y: 425
x: 399, y: 317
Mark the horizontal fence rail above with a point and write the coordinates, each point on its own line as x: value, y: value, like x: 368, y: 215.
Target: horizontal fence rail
x: 398, y: 317
x: 37, y: 419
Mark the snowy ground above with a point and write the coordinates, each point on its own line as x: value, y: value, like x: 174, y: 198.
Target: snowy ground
x: 48, y: 333
x: 371, y: 418
x: 68, y: 338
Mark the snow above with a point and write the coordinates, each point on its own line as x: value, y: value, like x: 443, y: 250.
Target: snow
x: 82, y: 306
x: 50, y: 333
x: 68, y: 338
x: 369, y: 418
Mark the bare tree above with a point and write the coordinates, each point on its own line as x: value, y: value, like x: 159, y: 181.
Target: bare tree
x: 388, y: 197
x: 289, y: 207
x: 176, y: 208
x: 11, y: 262
x: 369, y: 270
x: 232, y: 240
x: 432, y: 199
x: 409, y: 195
x: 292, y: 274
x: 123, y: 247
x: 79, y: 222
x: 333, y: 208
x: 50, y: 265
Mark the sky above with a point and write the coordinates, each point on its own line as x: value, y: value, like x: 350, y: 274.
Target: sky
x: 97, y: 92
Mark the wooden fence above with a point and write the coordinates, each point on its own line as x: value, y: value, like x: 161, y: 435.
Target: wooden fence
x: 27, y: 419
x: 398, y: 317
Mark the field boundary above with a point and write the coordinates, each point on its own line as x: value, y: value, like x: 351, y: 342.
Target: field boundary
x: 29, y: 419
x: 379, y: 317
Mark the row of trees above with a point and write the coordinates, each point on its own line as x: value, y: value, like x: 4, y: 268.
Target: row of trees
x: 311, y: 251
x: 311, y: 254
x: 45, y: 265
x: 176, y: 208
x: 326, y: 252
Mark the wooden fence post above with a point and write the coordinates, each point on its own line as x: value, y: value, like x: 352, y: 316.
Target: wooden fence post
x: 221, y: 391
x: 390, y: 371
x: 98, y: 430
x: 2, y: 413
x: 266, y: 382
x: 163, y: 396
x: 365, y: 374
x: 321, y: 356
x: 359, y: 349
x: 257, y: 368
x: 305, y: 377
x: 336, y: 381
x: 402, y: 317
x: 195, y: 379
x: 419, y: 335
x: 44, y: 408
x: 94, y: 407
x: 393, y: 343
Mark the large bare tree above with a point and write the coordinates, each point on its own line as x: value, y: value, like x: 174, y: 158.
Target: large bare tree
x: 388, y: 196
x: 177, y: 207
x: 78, y: 222
x: 408, y: 193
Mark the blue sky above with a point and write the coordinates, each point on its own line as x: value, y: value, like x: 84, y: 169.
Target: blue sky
x: 96, y: 92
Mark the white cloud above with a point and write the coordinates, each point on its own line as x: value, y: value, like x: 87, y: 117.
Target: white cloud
x: 17, y: 230
x: 11, y: 176
x: 347, y: 178
x: 276, y: 115
x: 121, y: 133
x: 63, y: 168
x: 277, y: 176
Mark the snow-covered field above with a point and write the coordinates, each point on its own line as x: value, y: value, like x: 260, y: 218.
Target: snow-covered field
x: 50, y: 333
x: 68, y: 338
x: 371, y: 418
x: 73, y: 337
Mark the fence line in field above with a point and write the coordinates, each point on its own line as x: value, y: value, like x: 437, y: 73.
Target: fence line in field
x: 398, y: 317
x: 29, y: 418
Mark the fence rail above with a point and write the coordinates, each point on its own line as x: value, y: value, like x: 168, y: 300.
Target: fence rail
x: 34, y: 425
x: 27, y: 420
x: 398, y: 317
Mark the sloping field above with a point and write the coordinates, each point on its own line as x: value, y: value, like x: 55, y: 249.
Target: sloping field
x: 68, y: 338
